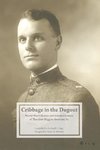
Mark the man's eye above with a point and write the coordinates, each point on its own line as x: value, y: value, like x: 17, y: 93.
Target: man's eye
x: 38, y: 38
x: 22, y: 40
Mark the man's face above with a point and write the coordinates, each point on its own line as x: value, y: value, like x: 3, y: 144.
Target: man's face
x: 37, y: 44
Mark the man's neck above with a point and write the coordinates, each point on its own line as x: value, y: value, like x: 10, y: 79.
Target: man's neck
x: 51, y: 68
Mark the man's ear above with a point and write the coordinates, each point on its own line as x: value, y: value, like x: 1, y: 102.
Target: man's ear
x: 58, y: 42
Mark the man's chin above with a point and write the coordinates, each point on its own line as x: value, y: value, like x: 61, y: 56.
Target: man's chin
x: 31, y: 65
x: 33, y: 68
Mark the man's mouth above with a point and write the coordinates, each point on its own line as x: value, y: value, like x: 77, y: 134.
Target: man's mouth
x: 31, y: 56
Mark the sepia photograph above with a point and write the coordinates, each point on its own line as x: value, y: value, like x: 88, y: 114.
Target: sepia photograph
x: 50, y: 53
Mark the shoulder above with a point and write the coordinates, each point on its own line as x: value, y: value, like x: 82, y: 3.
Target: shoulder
x: 76, y: 91
x: 71, y: 84
x: 90, y: 107
x: 23, y: 97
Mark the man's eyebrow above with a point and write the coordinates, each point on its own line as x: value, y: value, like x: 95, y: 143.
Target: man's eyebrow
x: 39, y: 33
x: 21, y: 36
x: 34, y: 34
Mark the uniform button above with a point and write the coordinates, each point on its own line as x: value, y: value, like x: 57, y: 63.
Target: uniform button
x: 31, y: 92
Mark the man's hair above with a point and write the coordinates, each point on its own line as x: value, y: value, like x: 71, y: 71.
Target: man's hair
x: 37, y: 14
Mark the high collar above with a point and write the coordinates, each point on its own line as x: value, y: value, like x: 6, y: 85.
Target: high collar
x: 49, y: 76
x: 53, y: 67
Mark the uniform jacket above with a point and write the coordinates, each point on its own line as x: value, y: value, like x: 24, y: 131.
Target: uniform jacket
x: 52, y: 86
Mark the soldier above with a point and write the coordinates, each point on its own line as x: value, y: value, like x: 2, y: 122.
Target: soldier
x: 39, y: 39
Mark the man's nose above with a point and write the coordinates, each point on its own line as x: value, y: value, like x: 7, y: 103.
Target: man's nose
x: 29, y: 46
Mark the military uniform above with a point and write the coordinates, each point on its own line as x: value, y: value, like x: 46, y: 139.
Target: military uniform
x: 52, y: 86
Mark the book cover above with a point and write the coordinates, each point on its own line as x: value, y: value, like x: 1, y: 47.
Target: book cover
x: 52, y: 102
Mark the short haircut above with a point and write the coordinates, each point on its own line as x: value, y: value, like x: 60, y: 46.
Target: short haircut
x: 37, y: 14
